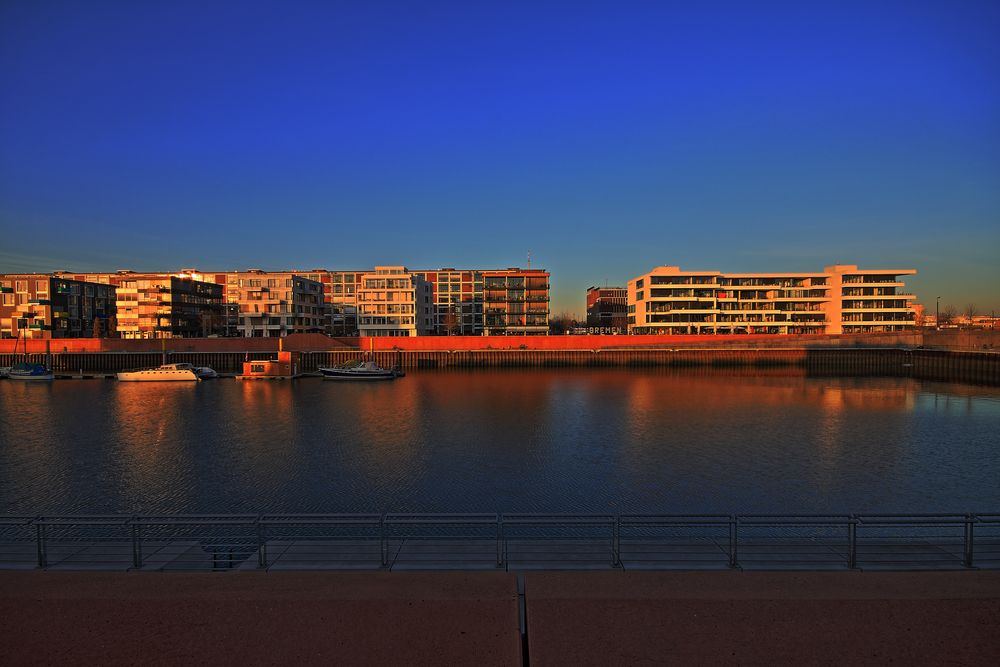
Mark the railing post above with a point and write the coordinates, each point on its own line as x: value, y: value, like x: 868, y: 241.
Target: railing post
x: 733, y: 540
x: 382, y: 541
x: 261, y: 545
x: 499, y: 541
x: 40, y: 537
x: 616, y: 542
x: 136, y: 545
x: 967, y: 561
x: 852, y: 542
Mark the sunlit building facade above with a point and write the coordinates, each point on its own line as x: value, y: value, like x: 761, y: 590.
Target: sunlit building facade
x: 394, y: 302
x: 168, y: 306
x: 607, y: 307
x: 275, y: 304
x: 457, y: 300
x: 42, y: 306
x: 840, y: 299
x: 516, y: 302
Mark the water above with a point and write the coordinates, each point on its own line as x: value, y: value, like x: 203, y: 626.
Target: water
x: 518, y: 441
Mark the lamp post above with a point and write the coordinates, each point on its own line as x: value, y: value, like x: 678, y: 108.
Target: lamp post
x: 937, y: 314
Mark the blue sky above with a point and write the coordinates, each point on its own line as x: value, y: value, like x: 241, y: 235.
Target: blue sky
x: 604, y: 138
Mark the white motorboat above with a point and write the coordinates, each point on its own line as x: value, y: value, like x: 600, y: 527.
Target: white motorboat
x: 360, y: 370
x: 165, y: 373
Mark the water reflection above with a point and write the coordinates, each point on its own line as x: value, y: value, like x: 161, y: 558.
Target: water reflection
x: 544, y: 440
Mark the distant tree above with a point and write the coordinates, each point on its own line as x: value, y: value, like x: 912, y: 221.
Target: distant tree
x: 948, y: 314
x: 970, y: 313
x: 451, y: 324
x: 98, y: 333
x: 562, y: 323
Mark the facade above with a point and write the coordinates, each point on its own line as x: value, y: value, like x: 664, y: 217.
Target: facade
x: 607, y: 308
x: 392, y: 301
x: 168, y: 306
x: 43, y: 306
x: 458, y: 301
x: 840, y: 299
x: 276, y: 304
x: 516, y: 302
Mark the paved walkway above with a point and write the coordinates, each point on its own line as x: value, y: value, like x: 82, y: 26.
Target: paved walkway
x: 247, y: 618
x: 763, y: 618
x: 576, y: 618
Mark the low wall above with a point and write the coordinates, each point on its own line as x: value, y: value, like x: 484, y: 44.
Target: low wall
x: 455, y: 343
x: 942, y: 365
x: 295, y: 342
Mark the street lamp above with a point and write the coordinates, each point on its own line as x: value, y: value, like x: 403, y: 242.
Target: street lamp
x: 937, y: 314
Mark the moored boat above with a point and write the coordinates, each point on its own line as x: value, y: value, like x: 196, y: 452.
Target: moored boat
x: 205, y: 373
x: 165, y: 373
x: 27, y: 371
x: 360, y: 370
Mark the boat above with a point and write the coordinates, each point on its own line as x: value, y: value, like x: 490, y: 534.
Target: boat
x: 28, y: 371
x: 360, y: 370
x: 4, y: 371
x: 164, y: 373
x: 205, y: 373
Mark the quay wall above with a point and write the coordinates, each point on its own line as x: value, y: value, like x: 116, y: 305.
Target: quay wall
x: 940, y: 365
x: 954, y: 339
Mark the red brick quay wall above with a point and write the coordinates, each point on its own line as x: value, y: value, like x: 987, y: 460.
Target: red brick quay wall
x: 939, y: 365
x: 984, y: 340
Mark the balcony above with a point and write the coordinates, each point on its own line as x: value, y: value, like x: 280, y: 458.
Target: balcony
x: 40, y: 302
x: 6, y: 290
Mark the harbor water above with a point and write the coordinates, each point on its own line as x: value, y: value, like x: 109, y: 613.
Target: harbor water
x: 526, y: 440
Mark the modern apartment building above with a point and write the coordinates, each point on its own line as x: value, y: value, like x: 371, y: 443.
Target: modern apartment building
x: 393, y: 301
x: 457, y: 299
x: 840, y: 299
x: 275, y: 304
x: 457, y: 295
x: 42, y: 306
x: 607, y: 307
x: 168, y: 306
x: 516, y: 302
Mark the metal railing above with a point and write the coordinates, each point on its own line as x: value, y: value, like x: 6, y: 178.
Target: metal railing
x: 507, y: 541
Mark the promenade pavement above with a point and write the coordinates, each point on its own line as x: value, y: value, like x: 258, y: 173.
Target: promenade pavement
x: 454, y: 618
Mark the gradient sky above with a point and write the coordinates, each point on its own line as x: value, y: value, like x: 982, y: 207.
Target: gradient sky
x: 604, y: 138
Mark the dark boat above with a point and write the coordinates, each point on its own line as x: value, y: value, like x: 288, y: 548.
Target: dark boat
x: 360, y: 370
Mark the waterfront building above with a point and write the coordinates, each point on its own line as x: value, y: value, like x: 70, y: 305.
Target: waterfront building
x: 840, y: 299
x: 457, y: 295
x: 393, y: 301
x: 48, y: 306
x: 168, y: 306
x: 516, y: 302
x: 607, y: 308
x: 275, y: 304
x: 457, y: 299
